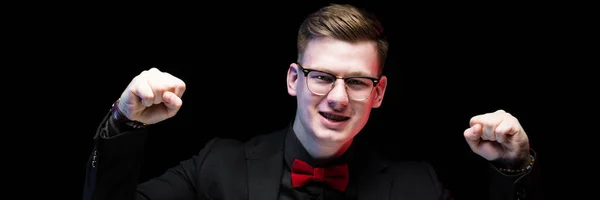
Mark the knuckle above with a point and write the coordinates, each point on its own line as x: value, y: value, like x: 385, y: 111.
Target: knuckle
x: 182, y: 85
x: 152, y: 72
x: 510, y: 116
x: 154, y: 69
x: 159, y: 89
x: 147, y: 95
x: 141, y: 79
x: 137, y: 78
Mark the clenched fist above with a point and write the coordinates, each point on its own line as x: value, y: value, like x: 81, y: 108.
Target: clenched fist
x: 152, y: 96
x: 498, y: 136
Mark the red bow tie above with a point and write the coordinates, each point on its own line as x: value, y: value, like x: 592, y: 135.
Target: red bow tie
x: 335, y: 176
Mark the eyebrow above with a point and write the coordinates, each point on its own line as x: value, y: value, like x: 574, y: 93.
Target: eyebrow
x: 355, y: 73
x: 351, y: 74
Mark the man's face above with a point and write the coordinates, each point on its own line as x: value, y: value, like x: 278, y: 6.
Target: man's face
x: 334, y: 117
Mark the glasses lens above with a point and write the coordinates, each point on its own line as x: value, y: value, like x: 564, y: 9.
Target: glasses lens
x: 359, y: 88
x: 321, y: 83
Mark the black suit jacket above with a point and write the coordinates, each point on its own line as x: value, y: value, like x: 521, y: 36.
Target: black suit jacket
x: 228, y: 169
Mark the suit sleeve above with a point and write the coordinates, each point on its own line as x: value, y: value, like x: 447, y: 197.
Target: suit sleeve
x: 113, y: 169
x: 442, y: 192
x: 521, y: 186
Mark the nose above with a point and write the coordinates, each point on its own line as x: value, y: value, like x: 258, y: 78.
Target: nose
x: 337, y: 98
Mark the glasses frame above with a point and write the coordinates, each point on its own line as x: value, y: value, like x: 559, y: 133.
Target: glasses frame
x: 305, y: 71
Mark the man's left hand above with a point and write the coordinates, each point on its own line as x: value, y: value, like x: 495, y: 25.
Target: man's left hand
x: 498, y: 137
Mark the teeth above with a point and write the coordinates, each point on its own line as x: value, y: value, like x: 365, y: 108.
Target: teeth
x: 334, y: 117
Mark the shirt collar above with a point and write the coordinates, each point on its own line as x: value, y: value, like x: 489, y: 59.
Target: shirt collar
x: 293, y: 149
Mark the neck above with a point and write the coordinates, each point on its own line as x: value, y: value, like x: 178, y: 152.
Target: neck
x: 318, y: 149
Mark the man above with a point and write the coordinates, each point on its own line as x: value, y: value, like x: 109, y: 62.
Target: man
x: 337, y: 80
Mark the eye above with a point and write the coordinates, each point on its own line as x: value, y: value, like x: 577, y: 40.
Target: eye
x: 321, y: 77
x: 357, y: 81
x: 324, y: 78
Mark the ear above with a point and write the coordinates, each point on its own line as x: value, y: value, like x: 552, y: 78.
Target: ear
x: 380, y: 91
x: 292, y: 79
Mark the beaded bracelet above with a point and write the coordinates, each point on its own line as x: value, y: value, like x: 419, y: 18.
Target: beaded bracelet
x: 119, y: 117
x: 508, y: 170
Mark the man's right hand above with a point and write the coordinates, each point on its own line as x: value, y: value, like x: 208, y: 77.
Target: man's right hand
x: 152, y: 96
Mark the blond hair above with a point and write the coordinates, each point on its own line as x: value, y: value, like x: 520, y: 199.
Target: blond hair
x: 346, y: 23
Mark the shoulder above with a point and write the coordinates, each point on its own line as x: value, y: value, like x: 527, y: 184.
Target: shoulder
x: 220, y: 146
x: 404, y: 170
x: 414, y: 173
x: 420, y: 169
x: 223, y: 157
x: 418, y: 175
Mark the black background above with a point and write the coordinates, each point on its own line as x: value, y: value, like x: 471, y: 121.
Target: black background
x: 447, y: 62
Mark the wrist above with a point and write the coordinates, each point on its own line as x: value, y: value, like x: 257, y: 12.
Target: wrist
x: 517, y: 167
x: 122, y: 120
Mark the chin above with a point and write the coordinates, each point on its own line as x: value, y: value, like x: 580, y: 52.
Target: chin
x: 327, y: 135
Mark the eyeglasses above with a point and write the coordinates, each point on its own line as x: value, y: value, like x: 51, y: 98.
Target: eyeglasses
x: 358, y: 88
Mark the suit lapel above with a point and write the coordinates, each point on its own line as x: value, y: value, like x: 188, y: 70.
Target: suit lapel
x: 264, y: 158
x: 372, y: 180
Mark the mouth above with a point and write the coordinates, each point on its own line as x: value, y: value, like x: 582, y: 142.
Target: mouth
x: 334, y: 117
